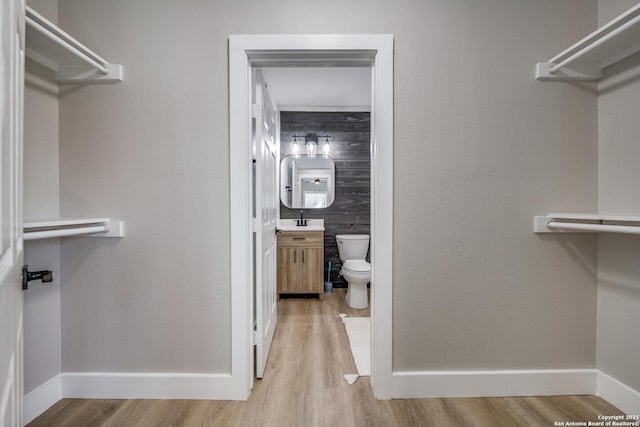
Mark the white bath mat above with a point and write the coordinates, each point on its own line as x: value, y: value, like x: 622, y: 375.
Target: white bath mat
x: 359, y: 332
x: 350, y: 378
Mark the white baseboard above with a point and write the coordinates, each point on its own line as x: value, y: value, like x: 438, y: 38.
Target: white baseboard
x: 42, y: 398
x: 441, y: 384
x: 618, y: 394
x: 418, y: 384
x: 98, y: 385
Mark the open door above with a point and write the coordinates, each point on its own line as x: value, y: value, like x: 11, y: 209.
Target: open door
x: 11, y: 113
x: 267, y: 153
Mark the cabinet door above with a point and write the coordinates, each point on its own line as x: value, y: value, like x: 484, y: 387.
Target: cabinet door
x: 311, y: 270
x: 288, y: 269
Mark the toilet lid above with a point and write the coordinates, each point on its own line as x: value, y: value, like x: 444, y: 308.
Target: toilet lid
x: 357, y: 265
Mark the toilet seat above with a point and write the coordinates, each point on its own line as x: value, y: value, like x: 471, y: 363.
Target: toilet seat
x: 357, y: 266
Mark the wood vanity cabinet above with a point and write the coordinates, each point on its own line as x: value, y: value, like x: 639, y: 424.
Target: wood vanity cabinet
x: 301, y: 262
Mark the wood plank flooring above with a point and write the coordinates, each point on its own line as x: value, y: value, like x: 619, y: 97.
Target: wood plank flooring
x: 304, y: 386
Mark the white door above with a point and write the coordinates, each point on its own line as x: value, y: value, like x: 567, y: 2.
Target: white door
x: 11, y: 95
x: 266, y: 211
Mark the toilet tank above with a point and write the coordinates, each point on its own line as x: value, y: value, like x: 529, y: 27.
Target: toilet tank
x: 352, y: 246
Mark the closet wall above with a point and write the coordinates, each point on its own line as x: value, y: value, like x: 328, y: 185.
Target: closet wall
x: 480, y: 146
x: 619, y: 180
x: 478, y: 149
x: 151, y: 151
x: 41, y: 200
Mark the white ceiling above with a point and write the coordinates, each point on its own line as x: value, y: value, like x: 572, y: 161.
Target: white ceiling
x: 321, y: 88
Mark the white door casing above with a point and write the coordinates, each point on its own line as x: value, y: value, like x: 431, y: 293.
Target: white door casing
x: 11, y: 254
x: 296, y: 192
x: 267, y: 199
x: 370, y: 50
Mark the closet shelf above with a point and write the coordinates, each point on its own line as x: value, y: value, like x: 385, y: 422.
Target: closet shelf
x: 586, y: 223
x: 65, y: 227
x: 72, y: 61
x: 607, y: 45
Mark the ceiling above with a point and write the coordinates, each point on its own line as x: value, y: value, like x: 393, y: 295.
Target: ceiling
x: 320, y: 88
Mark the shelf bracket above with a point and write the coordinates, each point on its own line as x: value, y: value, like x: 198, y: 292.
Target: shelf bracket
x: 82, y: 73
x: 577, y: 71
x: 540, y: 225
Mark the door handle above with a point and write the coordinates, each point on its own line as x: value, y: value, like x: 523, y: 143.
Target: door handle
x: 45, y: 275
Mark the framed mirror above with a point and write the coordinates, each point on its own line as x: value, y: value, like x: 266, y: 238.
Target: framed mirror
x: 306, y: 182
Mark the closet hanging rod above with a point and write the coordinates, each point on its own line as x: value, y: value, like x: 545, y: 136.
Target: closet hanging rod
x: 64, y: 232
x: 607, y: 228
x: 64, y: 40
x: 593, y: 44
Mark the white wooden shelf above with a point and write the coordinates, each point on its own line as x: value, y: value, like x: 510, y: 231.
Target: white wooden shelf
x: 607, y: 45
x: 586, y: 223
x: 70, y: 60
x: 67, y: 227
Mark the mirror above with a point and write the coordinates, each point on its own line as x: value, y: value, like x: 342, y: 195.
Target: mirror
x: 307, y: 182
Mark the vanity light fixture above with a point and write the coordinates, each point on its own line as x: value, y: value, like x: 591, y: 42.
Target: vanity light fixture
x: 311, y: 144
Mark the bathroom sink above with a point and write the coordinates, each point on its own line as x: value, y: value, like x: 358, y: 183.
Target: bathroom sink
x: 290, y: 225
x: 301, y: 228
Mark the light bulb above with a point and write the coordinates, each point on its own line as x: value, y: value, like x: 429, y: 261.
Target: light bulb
x: 312, y: 146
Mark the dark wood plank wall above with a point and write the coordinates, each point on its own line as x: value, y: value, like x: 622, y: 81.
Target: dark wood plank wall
x: 350, y: 150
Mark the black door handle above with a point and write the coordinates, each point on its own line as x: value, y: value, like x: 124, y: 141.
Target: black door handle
x: 45, y: 275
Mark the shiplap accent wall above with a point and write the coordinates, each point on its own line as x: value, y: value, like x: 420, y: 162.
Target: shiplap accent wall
x: 350, y: 151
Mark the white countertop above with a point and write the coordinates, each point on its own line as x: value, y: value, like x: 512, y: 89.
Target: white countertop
x: 290, y: 225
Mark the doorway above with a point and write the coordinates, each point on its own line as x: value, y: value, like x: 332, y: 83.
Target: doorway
x: 247, y: 52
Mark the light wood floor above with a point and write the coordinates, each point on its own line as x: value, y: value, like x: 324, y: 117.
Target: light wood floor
x: 304, y: 386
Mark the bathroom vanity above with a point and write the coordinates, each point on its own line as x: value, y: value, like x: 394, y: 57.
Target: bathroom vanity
x: 301, y: 262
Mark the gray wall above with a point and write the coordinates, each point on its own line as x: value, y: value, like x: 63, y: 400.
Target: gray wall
x: 41, y: 200
x: 480, y: 147
x: 618, y: 266
x: 351, y: 152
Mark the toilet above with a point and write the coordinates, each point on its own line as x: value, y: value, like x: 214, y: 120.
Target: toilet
x: 352, y: 249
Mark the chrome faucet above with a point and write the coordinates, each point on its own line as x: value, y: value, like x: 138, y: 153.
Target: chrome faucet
x: 301, y: 222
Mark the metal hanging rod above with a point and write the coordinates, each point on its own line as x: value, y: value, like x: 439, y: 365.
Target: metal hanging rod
x: 607, y: 228
x: 95, y: 227
x: 567, y: 223
x: 64, y: 232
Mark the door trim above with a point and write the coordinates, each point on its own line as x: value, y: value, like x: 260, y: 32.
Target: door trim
x: 376, y: 50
